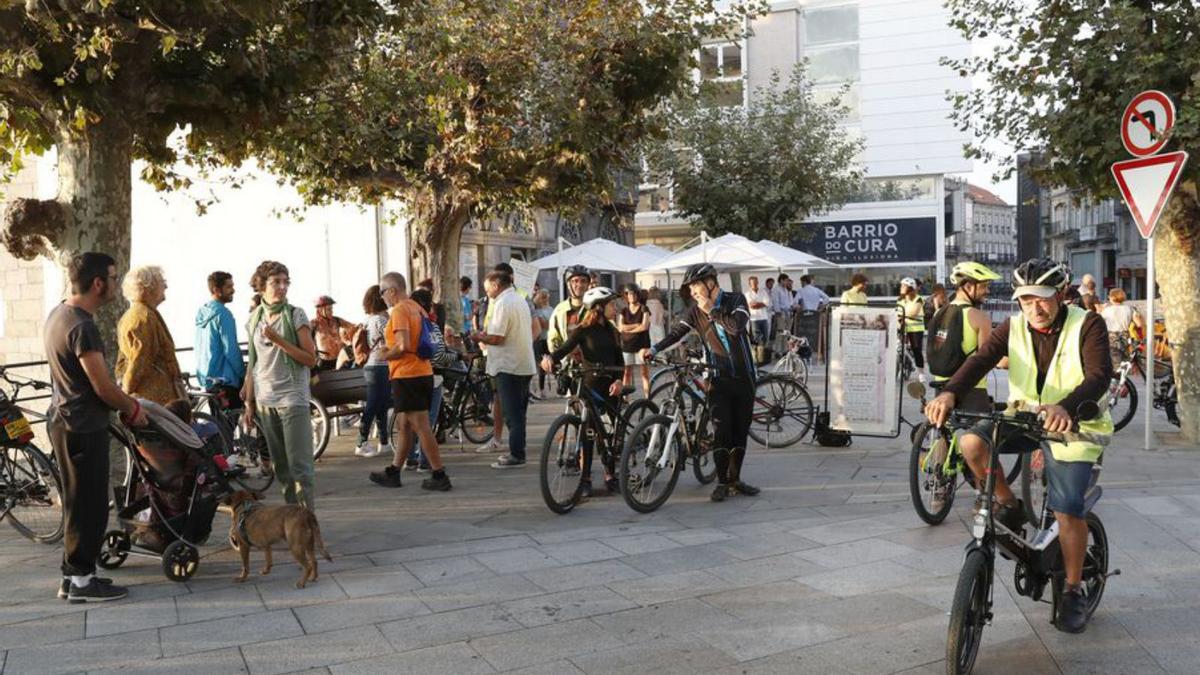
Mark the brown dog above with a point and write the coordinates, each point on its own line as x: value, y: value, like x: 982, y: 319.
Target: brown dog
x: 264, y: 526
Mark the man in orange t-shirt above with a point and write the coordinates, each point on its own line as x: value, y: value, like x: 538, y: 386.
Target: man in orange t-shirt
x: 412, y: 386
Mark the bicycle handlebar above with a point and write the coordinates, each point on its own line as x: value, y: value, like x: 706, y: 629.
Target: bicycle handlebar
x: 1029, y: 422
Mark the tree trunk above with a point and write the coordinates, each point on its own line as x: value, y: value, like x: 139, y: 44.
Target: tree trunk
x: 1177, y: 268
x: 434, y: 233
x: 92, y: 211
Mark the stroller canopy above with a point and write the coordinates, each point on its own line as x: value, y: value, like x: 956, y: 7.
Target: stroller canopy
x: 173, y: 430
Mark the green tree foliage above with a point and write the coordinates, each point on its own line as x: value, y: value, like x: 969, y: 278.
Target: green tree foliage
x: 471, y: 110
x: 759, y: 170
x: 106, y: 82
x: 1059, y: 80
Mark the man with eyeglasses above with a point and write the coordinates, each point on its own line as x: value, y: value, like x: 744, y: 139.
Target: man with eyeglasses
x: 412, y: 386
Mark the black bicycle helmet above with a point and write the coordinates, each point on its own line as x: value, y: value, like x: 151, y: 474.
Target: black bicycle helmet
x: 698, y: 272
x: 1042, y: 277
x: 577, y: 271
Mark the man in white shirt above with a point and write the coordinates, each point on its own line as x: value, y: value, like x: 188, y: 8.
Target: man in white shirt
x: 510, y: 362
x: 759, y: 302
x: 809, y: 297
x: 781, y: 304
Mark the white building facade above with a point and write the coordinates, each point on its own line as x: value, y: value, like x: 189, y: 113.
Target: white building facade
x: 888, y: 52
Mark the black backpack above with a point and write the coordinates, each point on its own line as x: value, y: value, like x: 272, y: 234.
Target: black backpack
x: 943, y: 350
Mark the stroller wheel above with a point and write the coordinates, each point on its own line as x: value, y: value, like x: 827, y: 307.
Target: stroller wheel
x: 180, y: 560
x: 115, y: 551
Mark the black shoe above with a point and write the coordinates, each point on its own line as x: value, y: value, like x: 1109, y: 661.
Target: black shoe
x: 411, y: 465
x: 1072, y: 612
x: 437, y: 484
x: 720, y: 492
x: 613, y: 485
x: 95, y: 591
x: 1012, y: 516
x: 389, y: 477
x: 585, y: 489
x: 64, y: 589
x: 424, y: 467
x: 745, y: 488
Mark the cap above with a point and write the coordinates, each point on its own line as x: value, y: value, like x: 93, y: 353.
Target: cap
x: 324, y: 300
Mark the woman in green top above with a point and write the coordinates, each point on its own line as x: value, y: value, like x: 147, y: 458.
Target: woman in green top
x: 912, y: 313
x: 857, y: 293
x: 276, y: 392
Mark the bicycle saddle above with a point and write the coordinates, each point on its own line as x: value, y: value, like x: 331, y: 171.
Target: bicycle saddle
x: 628, y: 389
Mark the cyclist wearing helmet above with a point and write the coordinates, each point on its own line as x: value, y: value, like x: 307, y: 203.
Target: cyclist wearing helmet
x: 972, y: 281
x: 1058, y: 358
x: 912, y: 310
x: 570, y: 311
x: 597, y: 339
x: 722, y: 321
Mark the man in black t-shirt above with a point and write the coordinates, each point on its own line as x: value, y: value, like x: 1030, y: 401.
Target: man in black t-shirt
x: 722, y: 321
x: 77, y: 421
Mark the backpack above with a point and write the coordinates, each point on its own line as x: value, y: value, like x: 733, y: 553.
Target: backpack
x: 944, y: 351
x: 432, y: 345
x: 829, y: 438
x: 361, y: 346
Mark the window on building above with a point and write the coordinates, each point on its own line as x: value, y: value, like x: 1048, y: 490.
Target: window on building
x: 895, y: 189
x: 721, y: 74
x: 830, y: 24
x: 833, y: 65
x: 848, y: 97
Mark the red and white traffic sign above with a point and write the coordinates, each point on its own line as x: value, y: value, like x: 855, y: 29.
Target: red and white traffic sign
x: 1147, y: 122
x: 1146, y: 184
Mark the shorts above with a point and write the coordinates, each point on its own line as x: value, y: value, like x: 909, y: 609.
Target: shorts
x: 1068, y: 482
x: 413, y: 394
x: 632, y: 358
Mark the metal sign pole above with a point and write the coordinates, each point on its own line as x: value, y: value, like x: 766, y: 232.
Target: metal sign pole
x: 1148, y: 402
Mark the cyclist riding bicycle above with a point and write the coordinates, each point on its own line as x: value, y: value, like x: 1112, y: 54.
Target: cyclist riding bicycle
x: 972, y: 282
x: 722, y: 321
x: 1058, y: 358
x: 600, y: 345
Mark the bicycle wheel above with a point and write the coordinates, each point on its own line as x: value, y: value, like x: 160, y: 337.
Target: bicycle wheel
x: 1095, y: 562
x: 704, y: 466
x: 248, y: 450
x: 661, y: 397
x: 476, y: 412
x: 1122, y: 403
x: 634, y: 413
x: 927, y: 482
x: 561, y: 470
x: 968, y: 614
x: 783, y: 412
x: 320, y: 427
x: 650, y: 464
x: 1033, y: 482
x: 32, y: 494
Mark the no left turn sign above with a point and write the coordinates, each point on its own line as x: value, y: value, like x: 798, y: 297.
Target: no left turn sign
x: 1147, y: 123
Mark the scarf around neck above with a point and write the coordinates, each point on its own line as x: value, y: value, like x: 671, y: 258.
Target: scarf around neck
x: 287, y: 330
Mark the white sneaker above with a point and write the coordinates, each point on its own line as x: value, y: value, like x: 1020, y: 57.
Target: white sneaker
x: 362, y: 450
x: 383, y: 449
x: 490, y: 446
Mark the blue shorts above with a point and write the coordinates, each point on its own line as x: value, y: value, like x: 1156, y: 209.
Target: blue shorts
x: 1068, y: 482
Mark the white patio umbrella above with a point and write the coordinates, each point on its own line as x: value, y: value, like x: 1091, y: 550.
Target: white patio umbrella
x: 729, y: 251
x: 793, y: 258
x: 599, y: 254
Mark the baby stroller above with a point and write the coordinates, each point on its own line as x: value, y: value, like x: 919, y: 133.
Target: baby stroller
x: 166, y: 507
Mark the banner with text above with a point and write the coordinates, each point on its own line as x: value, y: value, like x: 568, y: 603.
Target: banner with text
x: 864, y: 242
x: 862, y: 375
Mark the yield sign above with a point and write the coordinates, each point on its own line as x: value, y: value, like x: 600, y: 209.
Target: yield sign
x: 1146, y: 184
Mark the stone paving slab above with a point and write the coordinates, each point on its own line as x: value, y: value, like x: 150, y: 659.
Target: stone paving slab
x: 828, y: 571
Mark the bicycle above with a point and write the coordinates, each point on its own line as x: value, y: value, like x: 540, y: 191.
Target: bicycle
x: 661, y: 445
x: 1123, y: 395
x: 30, y: 486
x: 243, y: 447
x: 791, y: 363
x: 561, y: 469
x: 783, y: 409
x: 1038, y: 559
x: 466, y: 404
x: 933, y: 472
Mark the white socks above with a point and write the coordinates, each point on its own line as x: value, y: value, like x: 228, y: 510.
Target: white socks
x: 80, y: 582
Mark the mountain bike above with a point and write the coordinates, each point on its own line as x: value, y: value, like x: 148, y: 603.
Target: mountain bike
x: 936, y: 464
x: 1123, y: 395
x: 601, y: 424
x: 466, y: 404
x: 658, y: 448
x: 30, y: 487
x: 244, y: 446
x: 1038, y: 558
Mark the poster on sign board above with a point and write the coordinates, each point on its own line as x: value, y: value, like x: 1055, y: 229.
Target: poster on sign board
x: 863, y: 389
x: 524, y: 276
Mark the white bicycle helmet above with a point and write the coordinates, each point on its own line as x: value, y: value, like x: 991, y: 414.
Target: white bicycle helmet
x: 598, y: 296
x: 1041, y: 277
x: 910, y: 282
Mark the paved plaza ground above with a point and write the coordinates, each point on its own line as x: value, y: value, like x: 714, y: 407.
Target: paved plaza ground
x: 828, y: 571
